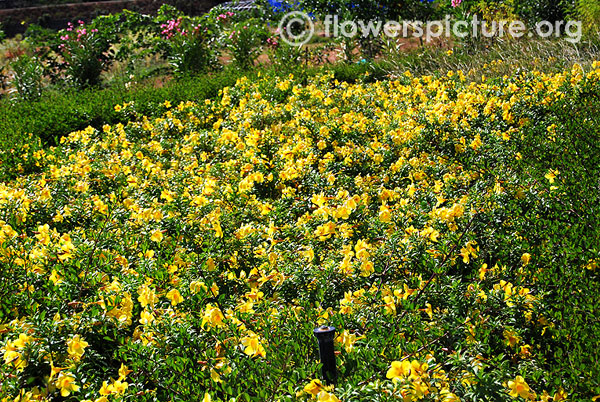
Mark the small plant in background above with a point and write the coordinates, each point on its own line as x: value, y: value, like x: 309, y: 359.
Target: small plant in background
x: 370, y: 46
x: 589, y: 13
x: 3, y: 82
x: 281, y: 54
x: 136, y: 39
x: 487, y: 12
x: 43, y: 43
x: 27, y: 76
x: 189, y: 45
x: 348, y: 47
x: 244, y: 43
x: 85, y: 54
x: 225, y: 17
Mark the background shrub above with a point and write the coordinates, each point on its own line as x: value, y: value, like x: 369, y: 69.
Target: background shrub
x: 245, y: 41
x: 27, y: 78
x: 85, y: 51
x: 589, y: 12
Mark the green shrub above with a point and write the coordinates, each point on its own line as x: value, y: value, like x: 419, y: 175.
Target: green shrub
x: 85, y: 53
x: 281, y: 54
x: 244, y: 42
x: 55, y: 114
x: 190, y: 44
x: 464, y: 260
x: 27, y: 78
x: 58, y: 113
x: 589, y: 13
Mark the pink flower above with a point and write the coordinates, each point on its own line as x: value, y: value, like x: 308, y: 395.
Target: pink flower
x: 456, y: 3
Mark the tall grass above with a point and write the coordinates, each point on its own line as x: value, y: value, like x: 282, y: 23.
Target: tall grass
x: 503, y: 57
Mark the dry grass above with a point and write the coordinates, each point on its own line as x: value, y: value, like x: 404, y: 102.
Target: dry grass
x: 503, y: 57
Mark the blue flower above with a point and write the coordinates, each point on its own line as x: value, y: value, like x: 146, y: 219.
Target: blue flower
x: 280, y: 6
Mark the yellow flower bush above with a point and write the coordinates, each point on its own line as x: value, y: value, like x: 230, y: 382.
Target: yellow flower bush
x: 191, y: 254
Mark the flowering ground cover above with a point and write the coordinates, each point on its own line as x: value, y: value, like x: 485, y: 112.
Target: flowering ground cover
x: 448, y: 230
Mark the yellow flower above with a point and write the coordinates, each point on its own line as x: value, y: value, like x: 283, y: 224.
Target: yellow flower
x: 174, y: 296
x: 476, y: 143
x: 347, y: 340
x: 76, y: 347
x: 325, y: 231
x: 55, y: 277
x: 399, y: 369
x: 146, y: 317
x: 157, y: 236
x: 525, y: 258
x: 551, y: 175
x: 54, y: 370
x: 116, y: 387
x: 167, y: 195
x: 123, y: 372
x: 196, y: 287
x: 366, y: 268
x: 119, y: 386
x: 561, y: 395
x: 420, y: 388
x: 218, y: 229
x: 147, y: 296
x: 384, y: 214
x: 429, y: 310
x: 512, y: 339
x: 449, y: 396
x: 518, y: 387
x: 314, y: 387
x: 14, y: 358
x: 99, y: 205
x: 412, y: 370
x: 22, y: 341
x: 66, y: 383
x: 325, y: 396
x: 525, y: 351
x: 252, y: 346
x: 106, y: 389
x: 213, y: 316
